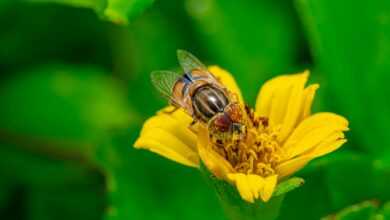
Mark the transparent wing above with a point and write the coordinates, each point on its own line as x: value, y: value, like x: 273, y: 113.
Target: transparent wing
x: 164, y: 81
x: 189, y: 62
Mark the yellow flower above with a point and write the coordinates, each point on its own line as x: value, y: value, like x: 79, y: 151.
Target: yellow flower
x: 282, y: 137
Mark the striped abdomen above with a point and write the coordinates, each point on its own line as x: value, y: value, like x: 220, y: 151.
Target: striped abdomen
x: 207, y: 101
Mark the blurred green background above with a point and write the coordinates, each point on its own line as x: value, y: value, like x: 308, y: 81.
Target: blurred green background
x: 75, y: 90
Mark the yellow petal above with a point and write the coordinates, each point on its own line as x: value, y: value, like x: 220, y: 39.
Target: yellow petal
x: 215, y: 163
x: 227, y: 80
x: 309, y: 95
x: 178, y: 114
x: 281, y: 100
x: 176, y: 123
x: 310, y: 140
x: 333, y: 142
x: 269, y: 187
x: 255, y: 184
x: 313, y: 131
x: 248, y: 185
x: 317, y: 120
x: 176, y: 155
x: 168, y: 134
x: 291, y: 166
x: 252, y: 186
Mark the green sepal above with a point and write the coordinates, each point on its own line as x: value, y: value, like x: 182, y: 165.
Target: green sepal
x: 288, y: 185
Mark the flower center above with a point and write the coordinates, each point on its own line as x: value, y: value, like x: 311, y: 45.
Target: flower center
x: 259, y: 153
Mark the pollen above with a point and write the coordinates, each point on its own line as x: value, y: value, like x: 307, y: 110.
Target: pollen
x: 259, y: 153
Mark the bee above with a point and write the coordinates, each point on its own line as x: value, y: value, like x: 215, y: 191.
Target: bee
x: 203, y: 97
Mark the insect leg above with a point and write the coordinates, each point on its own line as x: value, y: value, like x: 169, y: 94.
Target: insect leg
x: 171, y: 110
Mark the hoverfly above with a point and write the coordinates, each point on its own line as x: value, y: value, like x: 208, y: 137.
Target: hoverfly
x: 203, y: 97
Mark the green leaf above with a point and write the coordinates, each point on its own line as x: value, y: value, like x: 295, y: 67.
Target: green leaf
x: 313, y: 196
x: 369, y: 210
x: 60, y: 34
x: 364, y: 210
x: 117, y: 11
x: 51, y: 121
x: 120, y: 11
x: 350, y: 45
x: 384, y: 212
x: 350, y: 177
x: 19, y: 166
x: 6, y: 188
x: 71, y: 106
x: 97, y: 5
x: 356, y: 178
x: 84, y: 201
x: 254, y: 40
x: 52, y: 117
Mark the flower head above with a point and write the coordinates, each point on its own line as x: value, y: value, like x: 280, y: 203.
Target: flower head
x: 282, y: 136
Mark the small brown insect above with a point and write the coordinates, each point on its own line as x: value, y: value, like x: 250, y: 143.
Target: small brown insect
x: 203, y: 97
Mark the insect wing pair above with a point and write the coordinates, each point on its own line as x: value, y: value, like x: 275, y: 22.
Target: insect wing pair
x: 179, y: 89
x: 202, y: 96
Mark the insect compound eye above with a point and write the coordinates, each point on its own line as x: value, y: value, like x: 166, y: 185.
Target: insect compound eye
x: 222, y: 122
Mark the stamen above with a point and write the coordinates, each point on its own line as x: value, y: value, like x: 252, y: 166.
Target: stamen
x: 259, y: 153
